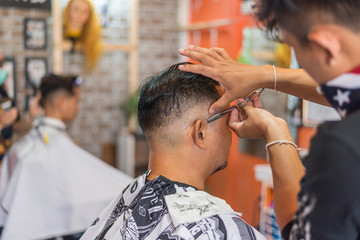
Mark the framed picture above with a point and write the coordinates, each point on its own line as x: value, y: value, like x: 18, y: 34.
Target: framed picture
x: 35, y: 69
x: 35, y: 33
x: 10, y: 82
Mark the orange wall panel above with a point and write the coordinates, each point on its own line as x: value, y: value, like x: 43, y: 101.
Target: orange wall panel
x: 304, y: 136
x: 229, y: 37
x: 207, y: 10
x: 236, y: 184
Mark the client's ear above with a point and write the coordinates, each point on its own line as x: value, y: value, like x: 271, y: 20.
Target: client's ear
x: 199, y: 134
x: 61, y: 103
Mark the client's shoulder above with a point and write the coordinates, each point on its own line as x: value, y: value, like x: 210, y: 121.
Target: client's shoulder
x: 197, y: 212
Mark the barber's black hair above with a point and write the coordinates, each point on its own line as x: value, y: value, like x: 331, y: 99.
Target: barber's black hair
x: 298, y: 16
x: 168, y: 94
x: 52, y: 83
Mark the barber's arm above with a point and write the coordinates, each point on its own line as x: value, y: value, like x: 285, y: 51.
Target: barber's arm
x: 22, y: 126
x: 238, y: 79
x: 7, y: 117
x: 287, y: 169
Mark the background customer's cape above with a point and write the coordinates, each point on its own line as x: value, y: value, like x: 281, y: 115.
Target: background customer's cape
x: 56, y: 188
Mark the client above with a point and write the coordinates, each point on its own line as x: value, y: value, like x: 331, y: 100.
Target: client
x: 169, y: 201
x: 49, y: 187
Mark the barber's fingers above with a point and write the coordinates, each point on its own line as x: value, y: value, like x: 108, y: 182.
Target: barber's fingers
x: 234, y: 116
x: 255, y: 99
x: 235, y: 121
x: 240, y: 126
x: 222, y: 53
x: 242, y: 116
x: 210, y: 52
x: 200, y: 69
x: 205, y: 55
x: 221, y: 103
x: 202, y: 55
x: 243, y: 106
x: 238, y: 115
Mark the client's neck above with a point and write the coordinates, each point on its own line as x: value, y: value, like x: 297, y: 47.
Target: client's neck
x: 53, y: 113
x: 178, y: 166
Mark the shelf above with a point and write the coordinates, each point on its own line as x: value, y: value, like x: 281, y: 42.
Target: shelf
x: 66, y: 46
x: 263, y: 55
x: 206, y: 25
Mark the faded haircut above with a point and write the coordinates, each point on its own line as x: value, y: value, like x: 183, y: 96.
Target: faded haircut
x: 299, y: 16
x: 52, y: 84
x: 170, y: 93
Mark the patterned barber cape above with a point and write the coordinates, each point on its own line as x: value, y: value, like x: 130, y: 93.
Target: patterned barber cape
x: 163, y: 209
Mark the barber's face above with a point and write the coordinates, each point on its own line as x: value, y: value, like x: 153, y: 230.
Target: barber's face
x: 309, y: 56
x: 79, y: 12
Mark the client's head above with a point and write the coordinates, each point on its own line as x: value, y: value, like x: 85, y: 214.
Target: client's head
x: 60, y: 96
x: 173, y: 112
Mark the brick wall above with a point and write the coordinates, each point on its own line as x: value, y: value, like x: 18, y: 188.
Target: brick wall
x: 158, y: 37
x: 105, y: 88
x: 12, y: 45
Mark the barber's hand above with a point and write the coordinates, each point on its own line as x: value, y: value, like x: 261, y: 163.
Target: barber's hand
x: 34, y: 106
x: 251, y: 121
x: 236, y: 79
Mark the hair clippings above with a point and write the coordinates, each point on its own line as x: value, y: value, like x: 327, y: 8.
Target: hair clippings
x: 230, y: 109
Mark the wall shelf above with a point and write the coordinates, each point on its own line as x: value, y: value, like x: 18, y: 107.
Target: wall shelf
x: 107, y: 47
x: 206, y: 25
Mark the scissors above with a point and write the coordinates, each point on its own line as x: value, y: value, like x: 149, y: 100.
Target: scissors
x: 230, y: 109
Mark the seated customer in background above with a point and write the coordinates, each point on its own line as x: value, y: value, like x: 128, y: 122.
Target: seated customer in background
x: 50, y: 187
x: 168, y: 201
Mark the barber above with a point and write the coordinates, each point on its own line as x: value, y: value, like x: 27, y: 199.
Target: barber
x: 323, y: 202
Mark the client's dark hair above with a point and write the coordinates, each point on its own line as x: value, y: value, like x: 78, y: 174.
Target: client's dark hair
x: 52, y: 83
x: 166, y: 95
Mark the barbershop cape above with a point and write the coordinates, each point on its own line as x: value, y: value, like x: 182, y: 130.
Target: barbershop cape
x: 165, y: 209
x: 51, y: 187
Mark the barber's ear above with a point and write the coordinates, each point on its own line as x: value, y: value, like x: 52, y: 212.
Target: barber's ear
x: 328, y: 40
x: 199, y: 134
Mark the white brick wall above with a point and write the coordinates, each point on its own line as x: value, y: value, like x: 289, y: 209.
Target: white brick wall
x: 105, y: 88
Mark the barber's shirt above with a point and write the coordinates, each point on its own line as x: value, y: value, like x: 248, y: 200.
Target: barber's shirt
x: 329, y: 200
x: 163, y: 209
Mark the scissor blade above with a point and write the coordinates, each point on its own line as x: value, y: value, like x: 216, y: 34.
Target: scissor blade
x: 220, y: 114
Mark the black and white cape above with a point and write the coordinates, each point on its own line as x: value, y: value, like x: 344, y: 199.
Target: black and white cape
x: 164, y: 209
